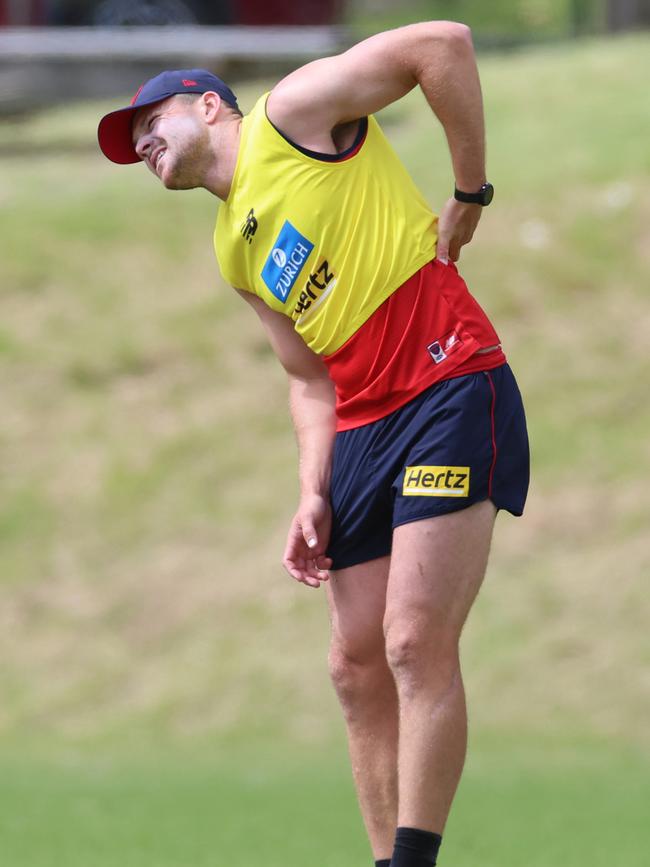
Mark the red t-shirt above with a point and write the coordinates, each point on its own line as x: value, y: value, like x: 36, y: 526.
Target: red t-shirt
x: 428, y: 330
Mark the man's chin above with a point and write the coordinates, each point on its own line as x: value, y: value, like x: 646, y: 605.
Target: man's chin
x: 173, y: 182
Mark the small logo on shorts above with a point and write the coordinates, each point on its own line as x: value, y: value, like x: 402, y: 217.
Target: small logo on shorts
x: 436, y: 482
x: 440, y: 349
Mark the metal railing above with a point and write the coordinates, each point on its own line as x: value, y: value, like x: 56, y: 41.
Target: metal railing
x: 167, y: 43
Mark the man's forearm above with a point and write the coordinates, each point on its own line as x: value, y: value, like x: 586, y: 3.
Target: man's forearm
x: 312, y: 404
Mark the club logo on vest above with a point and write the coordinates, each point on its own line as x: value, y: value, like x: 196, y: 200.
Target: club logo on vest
x: 285, y: 261
x: 440, y: 349
x: 436, y: 482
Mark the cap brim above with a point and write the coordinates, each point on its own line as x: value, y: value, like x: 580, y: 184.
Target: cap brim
x: 115, y: 133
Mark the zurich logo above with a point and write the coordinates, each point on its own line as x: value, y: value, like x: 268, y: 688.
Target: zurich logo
x: 285, y: 261
x: 279, y: 257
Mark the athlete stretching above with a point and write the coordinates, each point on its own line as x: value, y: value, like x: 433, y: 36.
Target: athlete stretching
x: 410, y: 425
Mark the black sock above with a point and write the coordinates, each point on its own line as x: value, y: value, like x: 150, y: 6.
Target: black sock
x: 385, y: 862
x: 415, y: 848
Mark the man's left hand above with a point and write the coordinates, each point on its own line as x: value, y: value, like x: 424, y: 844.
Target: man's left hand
x: 456, y: 228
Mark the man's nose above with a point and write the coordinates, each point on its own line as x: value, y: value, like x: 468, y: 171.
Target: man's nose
x: 143, y: 145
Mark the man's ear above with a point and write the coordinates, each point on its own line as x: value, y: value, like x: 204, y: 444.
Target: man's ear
x: 211, y: 105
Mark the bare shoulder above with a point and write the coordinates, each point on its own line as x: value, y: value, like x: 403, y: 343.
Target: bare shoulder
x: 324, y: 95
x: 298, y: 106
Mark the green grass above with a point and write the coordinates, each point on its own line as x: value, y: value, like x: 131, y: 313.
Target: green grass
x: 192, y: 809
x: 148, y: 475
x: 500, y: 22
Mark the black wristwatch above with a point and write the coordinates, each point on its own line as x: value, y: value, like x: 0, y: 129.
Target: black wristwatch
x: 483, y: 197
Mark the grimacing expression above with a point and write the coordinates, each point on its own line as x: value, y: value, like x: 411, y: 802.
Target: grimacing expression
x: 172, y: 140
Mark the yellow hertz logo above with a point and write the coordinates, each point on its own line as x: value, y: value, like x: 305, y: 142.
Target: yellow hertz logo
x: 436, y: 482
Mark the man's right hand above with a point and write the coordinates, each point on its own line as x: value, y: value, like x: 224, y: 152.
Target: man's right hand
x: 304, y: 555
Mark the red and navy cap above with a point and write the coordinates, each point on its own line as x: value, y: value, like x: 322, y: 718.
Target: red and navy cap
x: 115, y: 129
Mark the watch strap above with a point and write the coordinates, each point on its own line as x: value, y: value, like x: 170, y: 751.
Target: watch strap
x: 482, y: 197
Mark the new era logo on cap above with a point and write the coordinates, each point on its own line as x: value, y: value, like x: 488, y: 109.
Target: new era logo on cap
x: 137, y: 94
x: 114, y: 130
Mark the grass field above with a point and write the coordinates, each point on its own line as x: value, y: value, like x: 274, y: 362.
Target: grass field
x: 163, y: 684
x: 499, y: 22
x: 515, y: 806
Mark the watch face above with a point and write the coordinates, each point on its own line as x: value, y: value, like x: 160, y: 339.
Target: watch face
x: 488, y: 193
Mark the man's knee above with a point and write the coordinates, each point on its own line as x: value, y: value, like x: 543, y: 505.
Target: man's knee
x: 359, y: 678
x: 421, y: 655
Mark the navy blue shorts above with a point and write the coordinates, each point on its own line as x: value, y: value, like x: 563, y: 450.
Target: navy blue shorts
x: 461, y: 441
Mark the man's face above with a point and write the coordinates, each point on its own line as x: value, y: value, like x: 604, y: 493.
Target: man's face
x: 172, y: 140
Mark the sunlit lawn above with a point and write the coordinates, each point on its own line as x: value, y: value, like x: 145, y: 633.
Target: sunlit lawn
x: 195, y: 809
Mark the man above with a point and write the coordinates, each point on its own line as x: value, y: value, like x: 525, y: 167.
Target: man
x: 410, y: 426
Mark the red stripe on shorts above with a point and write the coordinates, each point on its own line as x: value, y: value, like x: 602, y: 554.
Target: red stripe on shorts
x: 494, y: 439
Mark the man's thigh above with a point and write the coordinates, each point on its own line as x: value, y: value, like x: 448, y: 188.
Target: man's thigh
x: 437, y: 567
x: 357, y: 601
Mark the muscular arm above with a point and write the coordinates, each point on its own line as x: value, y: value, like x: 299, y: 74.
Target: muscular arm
x: 439, y: 57
x: 311, y: 399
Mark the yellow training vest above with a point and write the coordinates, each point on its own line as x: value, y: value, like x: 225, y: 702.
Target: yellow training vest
x: 324, y: 242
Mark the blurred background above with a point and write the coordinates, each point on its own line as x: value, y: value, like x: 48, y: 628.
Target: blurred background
x: 164, y: 698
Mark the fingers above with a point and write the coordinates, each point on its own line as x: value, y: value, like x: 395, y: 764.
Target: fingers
x: 456, y: 228
x: 446, y: 229
x: 302, y: 563
x: 309, y: 572
x: 309, y: 533
x: 442, y: 250
x: 451, y: 249
x: 304, y: 554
